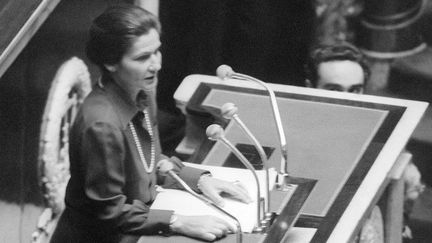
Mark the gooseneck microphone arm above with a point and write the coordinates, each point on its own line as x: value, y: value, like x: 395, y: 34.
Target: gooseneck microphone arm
x: 225, y: 71
x: 229, y: 111
x: 166, y: 167
x: 215, y: 132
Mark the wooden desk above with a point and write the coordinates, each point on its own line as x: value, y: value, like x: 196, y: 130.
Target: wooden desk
x: 19, y: 20
x: 391, y: 123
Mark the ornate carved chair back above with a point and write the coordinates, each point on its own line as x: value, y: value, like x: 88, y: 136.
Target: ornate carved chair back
x: 70, y: 86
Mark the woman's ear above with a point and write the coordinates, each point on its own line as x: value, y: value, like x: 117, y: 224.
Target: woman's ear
x: 111, y: 68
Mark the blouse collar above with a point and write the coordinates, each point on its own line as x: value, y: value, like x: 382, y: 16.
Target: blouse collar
x: 125, y: 107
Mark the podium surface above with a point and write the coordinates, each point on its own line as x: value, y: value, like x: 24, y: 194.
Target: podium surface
x: 348, y: 142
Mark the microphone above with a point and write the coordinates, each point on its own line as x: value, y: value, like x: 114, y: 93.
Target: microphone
x: 229, y: 111
x: 166, y: 167
x: 224, y: 72
x: 215, y: 132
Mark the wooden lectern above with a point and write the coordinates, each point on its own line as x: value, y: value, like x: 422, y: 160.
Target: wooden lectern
x: 349, y: 143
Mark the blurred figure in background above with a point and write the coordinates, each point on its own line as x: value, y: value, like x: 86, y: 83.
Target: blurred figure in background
x: 338, y: 67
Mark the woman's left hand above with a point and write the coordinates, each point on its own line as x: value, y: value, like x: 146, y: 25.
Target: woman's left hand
x: 213, y: 187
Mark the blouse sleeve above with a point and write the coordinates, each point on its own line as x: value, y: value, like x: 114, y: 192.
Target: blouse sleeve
x: 188, y: 174
x: 102, y: 157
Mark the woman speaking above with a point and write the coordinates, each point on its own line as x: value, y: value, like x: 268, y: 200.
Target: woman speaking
x: 114, y: 144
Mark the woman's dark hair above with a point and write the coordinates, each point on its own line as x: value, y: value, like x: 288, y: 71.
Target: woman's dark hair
x: 112, y: 32
x: 339, y: 51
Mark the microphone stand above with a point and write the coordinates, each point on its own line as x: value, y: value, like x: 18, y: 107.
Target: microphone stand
x: 210, y: 203
x: 283, y: 173
x: 229, y: 111
x: 245, y: 162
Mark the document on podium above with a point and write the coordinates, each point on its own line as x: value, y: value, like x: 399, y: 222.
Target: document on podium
x: 185, y: 204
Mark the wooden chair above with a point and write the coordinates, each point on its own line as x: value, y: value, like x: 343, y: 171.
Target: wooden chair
x: 70, y: 86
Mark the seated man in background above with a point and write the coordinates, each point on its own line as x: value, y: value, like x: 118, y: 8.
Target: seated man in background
x: 339, y: 67
x: 342, y: 67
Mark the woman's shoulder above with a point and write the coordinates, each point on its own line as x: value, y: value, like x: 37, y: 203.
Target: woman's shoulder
x: 97, y: 107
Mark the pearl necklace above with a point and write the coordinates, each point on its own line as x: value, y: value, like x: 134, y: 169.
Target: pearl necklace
x: 148, y: 169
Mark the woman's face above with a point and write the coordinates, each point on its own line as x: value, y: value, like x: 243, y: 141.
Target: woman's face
x: 137, y: 70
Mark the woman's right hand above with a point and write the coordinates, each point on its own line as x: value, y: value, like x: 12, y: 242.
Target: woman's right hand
x: 206, y: 227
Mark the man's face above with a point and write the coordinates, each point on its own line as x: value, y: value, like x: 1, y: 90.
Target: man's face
x: 137, y: 70
x: 345, y: 76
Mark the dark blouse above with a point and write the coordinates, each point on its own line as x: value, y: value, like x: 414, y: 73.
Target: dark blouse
x: 109, y: 193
